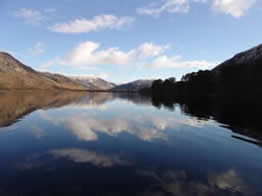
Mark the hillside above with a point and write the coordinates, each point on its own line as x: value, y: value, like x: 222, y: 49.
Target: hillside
x: 249, y: 59
x: 240, y: 76
x: 93, y: 83
x: 235, y: 81
x: 16, y: 76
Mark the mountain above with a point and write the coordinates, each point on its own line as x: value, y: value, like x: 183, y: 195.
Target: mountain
x: 134, y: 86
x: 17, y: 76
x: 248, y: 60
x: 236, y: 81
x: 240, y: 77
x: 93, y: 83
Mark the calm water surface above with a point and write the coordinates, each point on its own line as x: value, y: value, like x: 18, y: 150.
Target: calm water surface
x: 119, y: 144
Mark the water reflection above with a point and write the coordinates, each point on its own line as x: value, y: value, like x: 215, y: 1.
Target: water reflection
x: 85, y: 156
x: 87, y: 128
x: 146, y: 128
x: 71, y: 143
x: 15, y: 105
x: 242, y: 119
x: 179, y: 183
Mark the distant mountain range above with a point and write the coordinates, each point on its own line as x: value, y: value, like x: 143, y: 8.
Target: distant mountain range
x: 134, y: 86
x: 238, y: 75
x: 14, y: 75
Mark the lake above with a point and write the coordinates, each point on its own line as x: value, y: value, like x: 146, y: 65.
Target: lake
x: 66, y: 143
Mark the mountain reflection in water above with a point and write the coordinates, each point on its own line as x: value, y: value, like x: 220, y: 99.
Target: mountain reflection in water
x: 78, y: 143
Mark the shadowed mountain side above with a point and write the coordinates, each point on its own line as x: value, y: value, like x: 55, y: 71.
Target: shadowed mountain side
x: 239, y: 78
x: 252, y: 57
x: 16, y: 76
x: 15, y: 105
x: 236, y: 81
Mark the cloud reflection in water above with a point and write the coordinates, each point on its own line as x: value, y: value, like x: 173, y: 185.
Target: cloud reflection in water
x: 228, y: 183
x: 146, y: 128
x: 86, y: 156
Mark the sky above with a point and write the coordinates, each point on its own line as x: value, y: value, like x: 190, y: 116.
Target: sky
x: 125, y: 40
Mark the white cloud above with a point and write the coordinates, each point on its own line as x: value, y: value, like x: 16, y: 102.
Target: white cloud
x: 39, y: 48
x: 177, y: 62
x: 87, y: 53
x: 30, y: 16
x: 34, y: 16
x: 236, y: 8
x: 84, y: 25
x: 170, y: 6
x: 151, y: 50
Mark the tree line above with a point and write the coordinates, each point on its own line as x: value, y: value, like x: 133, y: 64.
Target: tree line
x: 231, y: 84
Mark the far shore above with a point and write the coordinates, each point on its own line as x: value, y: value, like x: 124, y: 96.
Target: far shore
x: 69, y: 90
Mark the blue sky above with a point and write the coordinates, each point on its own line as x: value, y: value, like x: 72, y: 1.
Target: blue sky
x: 126, y: 40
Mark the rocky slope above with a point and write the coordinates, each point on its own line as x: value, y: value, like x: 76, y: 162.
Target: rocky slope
x: 17, y: 76
x: 94, y: 83
x: 134, y: 86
